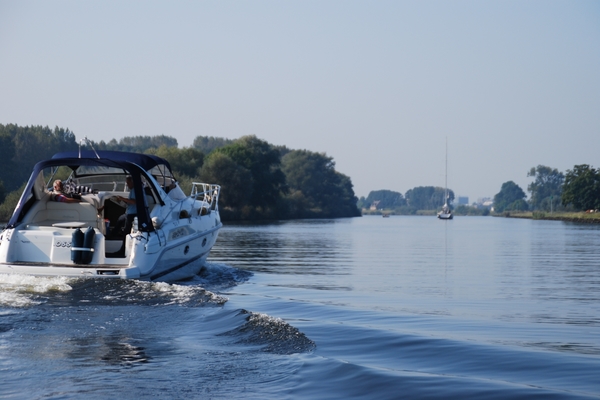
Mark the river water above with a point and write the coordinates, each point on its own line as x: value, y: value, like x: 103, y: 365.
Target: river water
x: 371, y: 307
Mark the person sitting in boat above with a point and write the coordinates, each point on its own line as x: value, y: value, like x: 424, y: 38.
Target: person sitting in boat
x: 71, y: 188
x: 59, y: 195
x: 127, y: 218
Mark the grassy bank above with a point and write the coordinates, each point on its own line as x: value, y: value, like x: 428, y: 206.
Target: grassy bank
x: 593, y: 218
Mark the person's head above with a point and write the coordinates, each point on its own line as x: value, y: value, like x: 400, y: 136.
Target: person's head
x: 129, y: 181
x: 58, y: 186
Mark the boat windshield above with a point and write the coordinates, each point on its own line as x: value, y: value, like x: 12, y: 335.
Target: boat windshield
x: 89, y: 178
x: 86, y: 170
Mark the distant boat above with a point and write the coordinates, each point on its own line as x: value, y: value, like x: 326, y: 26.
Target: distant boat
x: 446, y: 212
x: 386, y: 215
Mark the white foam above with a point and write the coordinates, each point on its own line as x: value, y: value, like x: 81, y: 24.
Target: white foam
x: 20, y: 290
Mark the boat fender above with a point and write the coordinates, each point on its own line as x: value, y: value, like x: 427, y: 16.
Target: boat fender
x: 88, y: 245
x: 76, y: 243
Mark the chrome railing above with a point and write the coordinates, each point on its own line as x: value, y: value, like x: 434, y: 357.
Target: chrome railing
x: 207, y: 193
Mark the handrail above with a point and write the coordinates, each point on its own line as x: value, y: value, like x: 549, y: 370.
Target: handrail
x: 209, y: 192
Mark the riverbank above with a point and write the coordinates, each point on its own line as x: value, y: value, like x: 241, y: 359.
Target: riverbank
x: 582, y: 217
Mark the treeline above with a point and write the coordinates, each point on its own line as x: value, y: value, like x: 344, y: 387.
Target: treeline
x: 422, y: 198
x: 22, y: 147
x: 576, y: 190
x: 258, y: 180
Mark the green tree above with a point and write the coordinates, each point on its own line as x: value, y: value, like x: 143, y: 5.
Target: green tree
x: 263, y: 162
x: 316, y: 187
x: 23, y: 147
x: 7, y: 152
x: 186, y: 161
x: 362, y: 202
x: 137, y: 144
x: 387, y: 199
x: 206, y: 144
x: 427, y: 197
x: 235, y: 180
x: 546, y: 187
x: 10, y: 202
x: 582, y: 188
x: 510, y: 198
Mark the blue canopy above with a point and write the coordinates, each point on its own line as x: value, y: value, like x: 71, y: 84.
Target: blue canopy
x: 146, y: 161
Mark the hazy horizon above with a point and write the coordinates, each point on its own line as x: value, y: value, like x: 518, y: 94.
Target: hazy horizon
x: 378, y: 86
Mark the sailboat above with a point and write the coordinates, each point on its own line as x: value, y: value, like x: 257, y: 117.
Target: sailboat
x: 446, y: 212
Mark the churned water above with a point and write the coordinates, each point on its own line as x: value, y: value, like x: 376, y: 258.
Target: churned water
x: 377, y: 308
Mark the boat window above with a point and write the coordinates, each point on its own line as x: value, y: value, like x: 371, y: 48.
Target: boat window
x: 50, y: 174
x: 162, y: 174
x: 103, y: 183
x: 85, y: 170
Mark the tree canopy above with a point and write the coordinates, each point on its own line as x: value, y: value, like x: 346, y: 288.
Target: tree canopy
x: 258, y: 180
x: 137, y: 144
x: 316, y: 187
x: 428, y: 197
x: 186, y: 161
x: 206, y: 144
x: 510, y: 198
x: 264, y: 164
x: 22, y: 147
x: 546, y: 188
x: 387, y: 199
x: 235, y: 180
x: 582, y: 188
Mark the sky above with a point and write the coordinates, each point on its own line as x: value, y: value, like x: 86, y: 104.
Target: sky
x: 379, y: 86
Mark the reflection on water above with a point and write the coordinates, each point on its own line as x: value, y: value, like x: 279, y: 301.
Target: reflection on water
x: 296, y: 248
x: 481, y: 267
x: 477, y: 307
x: 114, y: 350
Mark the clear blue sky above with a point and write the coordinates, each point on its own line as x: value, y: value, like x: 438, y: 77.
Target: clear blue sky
x: 376, y: 85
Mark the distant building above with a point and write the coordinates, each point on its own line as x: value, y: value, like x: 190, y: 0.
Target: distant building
x: 462, y: 200
x: 483, y: 202
x: 374, y: 205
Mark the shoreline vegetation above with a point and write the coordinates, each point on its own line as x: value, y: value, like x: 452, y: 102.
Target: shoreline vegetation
x: 580, y: 217
x: 259, y: 180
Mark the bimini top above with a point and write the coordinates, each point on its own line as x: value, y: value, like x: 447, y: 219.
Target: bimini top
x: 134, y: 164
x: 146, y: 161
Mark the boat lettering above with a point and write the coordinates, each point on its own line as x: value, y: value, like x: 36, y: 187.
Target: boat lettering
x: 62, y: 244
x: 178, y: 233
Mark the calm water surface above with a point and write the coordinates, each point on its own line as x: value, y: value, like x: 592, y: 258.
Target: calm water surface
x: 400, y: 307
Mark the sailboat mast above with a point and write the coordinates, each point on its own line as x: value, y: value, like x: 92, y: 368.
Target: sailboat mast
x: 446, y: 178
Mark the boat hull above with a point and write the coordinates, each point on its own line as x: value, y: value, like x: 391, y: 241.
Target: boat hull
x: 156, y: 256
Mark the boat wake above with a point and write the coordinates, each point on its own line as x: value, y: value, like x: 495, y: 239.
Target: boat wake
x: 24, y: 291
x: 270, y: 334
x: 20, y: 291
x: 219, y: 277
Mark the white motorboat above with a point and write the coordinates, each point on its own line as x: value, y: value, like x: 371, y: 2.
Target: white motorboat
x: 171, y: 235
